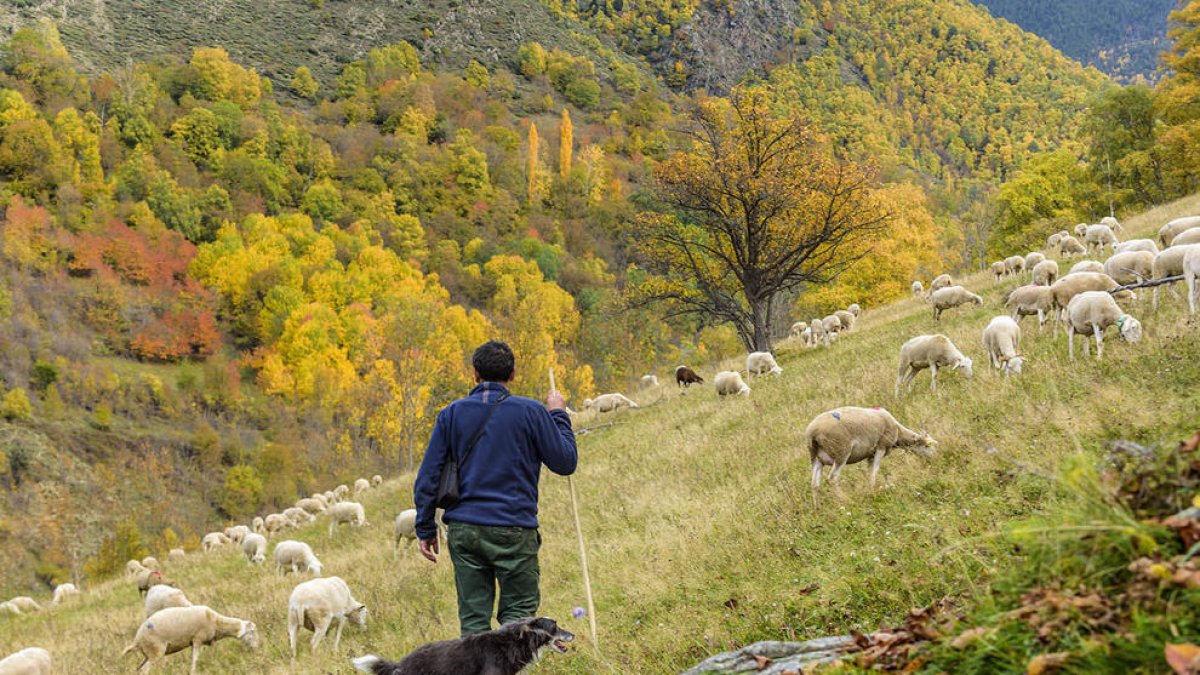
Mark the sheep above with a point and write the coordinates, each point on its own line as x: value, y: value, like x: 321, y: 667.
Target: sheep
x: 311, y: 505
x: 1168, y: 263
x: 850, y: 435
x: 1001, y: 340
x: 951, y: 296
x: 236, y: 533
x: 7, y: 607
x: 1033, y: 259
x: 854, y: 309
x: 276, y: 523
x: 942, y: 281
x: 1071, y: 285
x: 998, y: 270
x: 1112, y: 223
x: 330, y: 498
x: 1069, y: 247
x: 1099, y: 236
x: 258, y: 525
x: 847, y: 319
x: 1186, y: 237
x: 1173, y: 229
x: 176, y: 628
x: 797, y: 329
x: 314, y: 604
x: 28, y: 661
x: 649, y: 381
x: 297, y: 516
x: 24, y: 603
x: 1130, y: 266
x: 1013, y: 265
x: 758, y: 363
x: 608, y: 403
x: 360, y: 486
x: 1137, y: 245
x: 214, y: 540
x: 1052, y: 241
x: 1081, y: 229
x: 341, y: 492
x: 1028, y: 301
x: 146, y: 579
x: 161, y: 597
x: 932, y: 352
x: 346, y: 512
x: 405, y: 529
x: 832, y: 325
x: 1191, y: 270
x: 150, y: 562
x: 176, y: 555
x: 918, y: 289
x: 133, y: 567
x: 296, y: 556
x: 1045, y: 273
x: 64, y: 591
x: 730, y: 382
x: 1086, y: 266
x: 1090, y: 313
x: 686, y: 377
x: 254, y: 546
x: 818, y: 333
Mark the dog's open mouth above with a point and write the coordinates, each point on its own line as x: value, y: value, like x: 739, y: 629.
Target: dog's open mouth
x: 560, y: 646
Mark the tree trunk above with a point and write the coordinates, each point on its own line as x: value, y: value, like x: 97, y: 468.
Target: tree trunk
x: 760, y: 312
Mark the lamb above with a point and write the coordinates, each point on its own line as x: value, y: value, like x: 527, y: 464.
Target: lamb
x: 258, y: 525
x: 341, y: 492
x: 176, y: 628
x: 932, y: 352
x: 608, y: 403
x: 277, y: 522
x: 254, y: 546
x: 951, y: 296
x: 1001, y: 340
x: 730, y: 382
x: 1186, y: 237
x: 850, y: 435
x: 998, y: 270
x: 214, y: 540
x: 832, y: 325
x: 176, y: 555
x: 376, y: 480
x: 24, y: 603
x: 1191, y: 270
x: 161, y: 597
x: 918, y: 289
x: 1168, y: 263
x: 1013, y: 265
x: 798, y: 329
x: 649, y: 381
x: 28, y: 661
x: 315, y: 604
x: 1090, y: 313
x: 1073, y: 284
x: 1052, y: 240
x: 346, y: 513
x: 311, y: 505
x: 1130, y: 267
x: 758, y: 363
x: 236, y: 533
x: 296, y: 556
x: 405, y: 529
x: 1176, y: 227
x: 942, y: 281
x: 1028, y: 301
x: 1099, y: 236
x: 819, y: 334
x: 846, y: 318
x: 1112, y: 223
x: 146, y: 579
x: 686, y: 377
x: 1086, y: 266
x: 297, y: 516
x: 1069, y: 247
x: 1137, y: 245
x: 64, y: 591
x: 854, y: 309
x: 1081, y: 229
x: 360, y: 486
x: 1045, y: 273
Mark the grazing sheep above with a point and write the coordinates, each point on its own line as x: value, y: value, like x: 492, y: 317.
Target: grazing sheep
x: 25, y: 604
x: 832, y: 325
x: 932, y: 352
x: 311, y: 506
x: 1031, y: 300
x: 62, y: 592
x: 360, y: 486
x: 1090, y: 313
x: 1168, y: 263
x: 918, y: 289
x: 1099, y: 236
x: 1052, y: 241
x: 1069, y: 247
x: 1173, y: 229
x: 730, y: 382
x: 1130, y: 267
x: 942, y: 281
x: 214, y: 540
x: 806, y: 338
x: 850, y: 435
x: 133, y: 567
x: 341, y: 492
x: 1033, y: 259
x: 760, y: 363
x: 254, y: 546
x: 28, y: 661
x: 258, y: 525
x: 1186, y: 237
x: 1086, y: 266
x: 1081, y: 229
x: 854, y: 309
x: 951, y: 296
x: 649, y: 381
x: 7, y: 607
x: 1014, y: 265
x: 150, y: 562
x: 296, y: 556
x: 176, y: 555
x: 1045, y: 273
x: 1147, y: 245
x: 405, y: 529
x: 161, y: 597
x: 146, y: 579
x: 343, y: 513
x: 236, y: 533
x: 177, y: 628
x: 376, y: 480
x: 1071, y: 285
x: 297, y: 516
x: 315, y: 604
x: 608, y: 403
x: 276, y: 523
x: 686, y: 377
x: 1113, y: 223
x: 998, y: 270
x: 798, y: 329
x: 1191, y: 270
x: 1001, y: 340
x: 847, y: 319
x: 819, y: 334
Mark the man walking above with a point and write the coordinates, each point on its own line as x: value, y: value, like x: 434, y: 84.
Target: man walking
x: 493, y: 535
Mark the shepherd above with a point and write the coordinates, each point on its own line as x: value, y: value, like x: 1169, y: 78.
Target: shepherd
x: 498, y: 443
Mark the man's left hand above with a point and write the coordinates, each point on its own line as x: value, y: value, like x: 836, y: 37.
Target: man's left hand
x: 429, y: 549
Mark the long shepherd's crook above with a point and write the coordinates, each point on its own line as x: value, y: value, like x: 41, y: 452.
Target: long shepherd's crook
x: 587, y: 580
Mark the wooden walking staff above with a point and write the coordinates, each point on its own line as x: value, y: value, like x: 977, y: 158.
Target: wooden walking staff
x: 587, y: 581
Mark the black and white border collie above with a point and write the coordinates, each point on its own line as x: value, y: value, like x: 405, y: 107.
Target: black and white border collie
x: 504, y: 651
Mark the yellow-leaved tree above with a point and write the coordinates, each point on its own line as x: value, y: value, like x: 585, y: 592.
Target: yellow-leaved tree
x: 566, y: 139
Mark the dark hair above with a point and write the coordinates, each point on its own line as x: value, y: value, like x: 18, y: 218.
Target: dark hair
x: 494, y: 361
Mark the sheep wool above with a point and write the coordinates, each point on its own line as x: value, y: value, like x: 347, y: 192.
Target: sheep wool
x: 932, y: 352
x: 1147, y: 245
x: 949, y: 297
x: 62, y: 592
x: 1045, y: 273
x: 608, y: 403
x: 161, y: 597
x: 1090, y: 313
x: 1086, y: 266
x: 254, y: 547
x: 1030, y: 300
x: 850, y: 435
x: 177, y: 628
x: 316, y: 603
x: 28, y: 661
x: 296, y: 556
x: 729, y: 382
x: 347, y: 513
x: 404, y: 530
x: 1176, y: 227
x: 1073, y: 284
x: 1002, y: 340
x: 1130, y: 267
x: 761, y: 363
x: 941, y: 281
x: 1169, y: 263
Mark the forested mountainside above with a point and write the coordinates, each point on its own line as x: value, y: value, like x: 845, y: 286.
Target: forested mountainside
x: 1120, y: 37
x: 227, y: 279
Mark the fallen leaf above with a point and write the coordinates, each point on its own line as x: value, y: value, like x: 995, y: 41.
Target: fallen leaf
x: 807, y: 590
x: 762, y: 661
x: 970, y: 635
x: 731, y: 603
x: 1190, y: 444
x: 1045, y: 663
x: 1183, y: 659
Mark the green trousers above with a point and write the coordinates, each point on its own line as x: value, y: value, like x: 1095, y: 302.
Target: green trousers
x: 484, y: 556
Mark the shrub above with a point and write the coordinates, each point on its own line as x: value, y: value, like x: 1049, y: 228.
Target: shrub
x: 15, y: 406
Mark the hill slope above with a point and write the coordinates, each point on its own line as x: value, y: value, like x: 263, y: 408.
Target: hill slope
x: 700, y: 528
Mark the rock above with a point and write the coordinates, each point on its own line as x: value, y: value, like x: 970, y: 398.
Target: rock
x: 778, y: 657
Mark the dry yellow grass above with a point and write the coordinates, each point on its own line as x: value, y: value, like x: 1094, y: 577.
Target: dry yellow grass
x: 700, y: 529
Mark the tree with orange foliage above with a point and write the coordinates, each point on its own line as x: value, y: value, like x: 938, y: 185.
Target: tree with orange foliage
x: 566, y: 139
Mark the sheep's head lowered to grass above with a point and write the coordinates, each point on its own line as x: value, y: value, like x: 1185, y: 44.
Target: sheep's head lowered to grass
x: 966, y: 365
x: 1130, y: 328
x: 248, y: 634
x: 921, y: 443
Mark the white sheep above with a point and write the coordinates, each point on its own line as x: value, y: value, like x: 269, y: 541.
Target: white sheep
x: 1002, y: 340
x: 7, y: 607
x: 236, y: 533
x: 847, y: 319
x: 176, y: 555
x: 162, y: 596
x: 1014, y: 265
x: 350, y: 513
x: 275, y: 523
x: 258, y: 525
x: 832, y: 325
x: 1086, y: 266
x: 648, y: 381
x: 25, y: 603
x: 819, y: 335
x: 360, y: 486
x: 148, y: 578
x: 296, y: 556
x: 150, y: 562
x: 797, y: 329
x: 854, y: 309
x: 1052, y: 240
x: 608, y: 403
x: 951, y: 296
x: 341, y: 492
x: 254, y: 547
x: 1081, y: 229
x: 132, y: 567
x: 1113, y: 223
x: 1099, y: 236
x: 1069, y: 247
x: 1071, y: 285
x: 214, y: 540
x: 932, y: 352
x: 404, y: 530
x: 28, y: 661
x: 1031, y: 300
x: 1186, y: 237
x: 998, y: 269
x: 316, y: 603
x: 177, y: 628
x: 1191, y: 270
x: 806, y: 338
x: 1130, y: 267
x: 376, y: 480
x: 1089, y: 313
x: 941, y: 281
x: 730, y: 382
x: 850, y: 435
x: 64, y: 591
x: 1032, y: 260
x: 311, y: 505
x: 1168, y: 263
x: 297, y: 516
x: 1045, y: 273
x: 1147, y: 245
x: 760, y: 363
x: 918, y: 289
x: 1168, y: 232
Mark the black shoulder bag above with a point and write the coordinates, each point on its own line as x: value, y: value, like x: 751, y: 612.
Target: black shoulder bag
x: 449, y: 492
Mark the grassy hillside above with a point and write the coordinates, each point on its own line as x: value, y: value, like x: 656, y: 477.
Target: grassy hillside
x: 700, y: 528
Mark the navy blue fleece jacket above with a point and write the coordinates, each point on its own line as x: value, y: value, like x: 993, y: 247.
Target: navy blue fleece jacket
x: 499, y: 480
